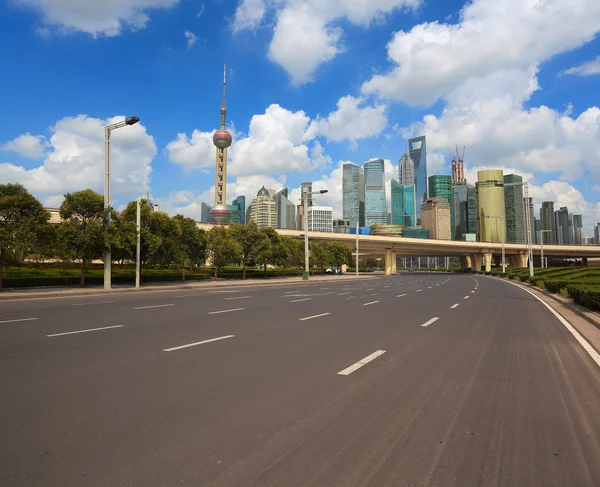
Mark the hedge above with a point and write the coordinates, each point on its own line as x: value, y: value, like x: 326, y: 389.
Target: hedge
x: 587, y: 295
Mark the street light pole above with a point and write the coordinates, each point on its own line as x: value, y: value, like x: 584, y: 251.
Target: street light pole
x: 306, y: 255
x: 107, y: 254
x: 357, y: 223
x: 138, y: 228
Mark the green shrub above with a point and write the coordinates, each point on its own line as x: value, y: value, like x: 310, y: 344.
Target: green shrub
x: 587, y: 295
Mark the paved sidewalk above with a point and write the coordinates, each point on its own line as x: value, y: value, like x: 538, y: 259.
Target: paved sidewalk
x: 52, y: 292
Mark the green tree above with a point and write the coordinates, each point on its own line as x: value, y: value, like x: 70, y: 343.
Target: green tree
x: 263, y: 250
x: 279, y: 251
x: 319, y: 255
x: 23, y: 221
x: 192, y: 243
x: 222, y: 249
x: 81, y: 232
x: 247, y: 237
x: 168, y: 234
x: 339, y: 254
x: 126, y: 225
x: 295, y: 249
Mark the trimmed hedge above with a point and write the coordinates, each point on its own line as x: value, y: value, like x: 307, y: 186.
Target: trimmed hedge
x: 587, y: 295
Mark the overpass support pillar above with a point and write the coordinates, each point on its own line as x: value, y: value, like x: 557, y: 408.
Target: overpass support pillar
x: 524, y: 259
x: 476, y: 262
x: 388, y: 262
x: 487, y: 258
x: 394, y: 270
x: 465, y: 262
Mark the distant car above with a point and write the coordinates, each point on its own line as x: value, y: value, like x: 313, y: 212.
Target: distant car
x: 411, y: 270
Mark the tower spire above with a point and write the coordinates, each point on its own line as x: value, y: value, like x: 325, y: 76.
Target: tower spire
x: 223, y: 106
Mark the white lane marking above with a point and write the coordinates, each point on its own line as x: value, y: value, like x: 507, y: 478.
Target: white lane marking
x: 298, y: 300
x: 467, y: 297
x: 291, y: 292
x: 428, y: 287
x: 188, y: 345
x: 374, y: 294
x: 315, y: 316
x: 370, y: 289
x: 342, y: 294
x: 238, y: 297
x: 386, y: 286
x: 90, y: 304
x: 20, y: 319
x: 400, y: 295
x: 215, y: 292
x: 324, y: 288
x: 419, y: 290
x: 455, y: 305
x: 348, y: 285
x: 472, y: 292
x: 369, y: 304
x: 225, y: 311
x: 155, y: 306
x: 361, y: 363
x: 84, y: 331
x: 431, y: 321
x: 582, y: 341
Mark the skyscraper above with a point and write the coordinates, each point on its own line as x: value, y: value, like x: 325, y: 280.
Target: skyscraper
x: 286, y: 210
x: 490, y: 205
x: 547, y: 222
x: 222, y: 139
x: 406, y: 170
x: 263, y: 209
x: 304, y: 188
x: 597, y: 233
x: 561, y: 218
x: 514, y: 210
x: 435, y: 216
x: 375, y: 201
x: 460, y: 211
x: 205, y: 213
x: 440, y: 186
x: 472, y: 210
x: 240, y: 203
x: 353, y: 194
x: 418, y: 153
x: 403, y: 204
x: 577, y: 230
x: 534, y: 232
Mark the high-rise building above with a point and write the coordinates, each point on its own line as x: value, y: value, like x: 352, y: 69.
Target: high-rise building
x: 403, y: 204
x: 490, y: 205
x: 375, y: 201
x: 222, y: 139
x: 320, y: 218
x: 571, y: 230
x: 537, y: 226
x: 547, y: 222
x: 304, y: 189
x: 472, y: 210
x: 353, y: 194
x: 205, y: 213
x: 561, y: 218
x: 240, y: 203
x: 597, y: 233
x: 286, y: 210
x: 440, y: 186
x: 528, y: 207
x: 236, y: 216
x: 418, y: 153
x: 406, y: 170
x: 460, y: 211
x: 263, y: 209
x: 514, y: 209
x: 435, y: 217
x: 577, y: 230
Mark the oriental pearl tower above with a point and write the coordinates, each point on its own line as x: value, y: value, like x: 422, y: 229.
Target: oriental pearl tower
x: 222, y: 139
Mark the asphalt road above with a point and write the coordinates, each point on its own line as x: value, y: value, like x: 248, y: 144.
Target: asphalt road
x: 408, y: 380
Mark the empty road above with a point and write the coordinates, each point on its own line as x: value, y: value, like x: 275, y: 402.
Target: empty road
x: 409, y: 380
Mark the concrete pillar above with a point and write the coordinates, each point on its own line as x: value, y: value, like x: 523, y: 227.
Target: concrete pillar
x: 524, y: 260
x: 394, y: 270
x: 487, y: 258
x: 463, y: 262
x: 388, y: 262
x: 498, y: 260
x: 476, y: 262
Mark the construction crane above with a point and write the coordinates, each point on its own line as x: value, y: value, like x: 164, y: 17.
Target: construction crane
x: 458, y: 167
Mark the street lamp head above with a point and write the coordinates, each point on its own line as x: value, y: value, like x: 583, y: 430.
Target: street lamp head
x: 132, y: 120
x: 323, y: 191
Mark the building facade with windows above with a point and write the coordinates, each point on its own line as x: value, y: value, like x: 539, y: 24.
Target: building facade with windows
x: 514, y: 209
x: 240, y: 203
x: 547, y: 222
x: 353, y: 194
x: 375, y: 199
x: 491, y: 223
x: 403, y: 204
x: 435, y: 217
x: 418, y: 153
x: 320, y: 218
x: 263, y: 210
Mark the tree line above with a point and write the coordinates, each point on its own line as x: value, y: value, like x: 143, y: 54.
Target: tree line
x: 82, y: 237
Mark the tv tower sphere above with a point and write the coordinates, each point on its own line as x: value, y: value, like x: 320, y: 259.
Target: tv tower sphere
x: 222, y: 139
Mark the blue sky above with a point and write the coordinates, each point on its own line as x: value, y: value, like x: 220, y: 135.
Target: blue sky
x: 311, y: 83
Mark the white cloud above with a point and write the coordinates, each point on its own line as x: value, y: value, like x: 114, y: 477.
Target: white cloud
x: 307, y: 32
x: 96, y: 17
x: 586, y: 69
x: 201, y: 11
x: 191, y: 38
x: 433, y: 59
x: 75, y: 160
x: 352, y: 121
x: 30, y: 146
x: 195, y: 152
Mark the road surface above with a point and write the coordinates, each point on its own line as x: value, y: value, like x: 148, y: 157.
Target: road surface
x: 409, y: 380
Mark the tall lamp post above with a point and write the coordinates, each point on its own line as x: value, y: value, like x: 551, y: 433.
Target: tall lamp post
x: 107, y: 130
x: 306, y: 256
x: 542, y: 242
x: 503, y: 220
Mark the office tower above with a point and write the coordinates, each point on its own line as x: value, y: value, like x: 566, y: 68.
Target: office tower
x: 353, y: 194
x: 460, y: 209
x: 222, y: 139
x: 490, y: 205
x: 240, y: 203
x: 286, y: 210
x: 406, y: 170
x: 528, y: 204
x: 537, y: 226
x: 236, y: 216
x: 435, y: 217
x: 263, y: 209
x: 320, y: 218
x: 514, y: 209
x: 418, y: 153
x: 472, y: 210
x: 375, y: 201
x: 561, y: 218
x: 403, y: 204
x: 577, y: 230
x: 597, y: 233
x: 205, y: 213
x: 571, y: 230
x: 304, y: 189
x: 547, y: 222
x: 440, y: 186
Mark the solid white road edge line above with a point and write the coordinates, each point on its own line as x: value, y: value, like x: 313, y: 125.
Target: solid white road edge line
x: 361, y: 363
x: 84, y: 331
x: 400, y: 295
x: 225, y: 311
x: 181, y: 347
x: 342, y: 294
x: 315, y: 316
x: 155, y: 306
x: 20, y: 319
x: 298, y: 300
x: 238, y: 297
x: 455, y: 306
x: 372, y: 302
x: 431, y: 321
x: 90, y: 304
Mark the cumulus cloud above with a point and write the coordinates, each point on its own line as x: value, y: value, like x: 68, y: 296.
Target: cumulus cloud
x: 307, y: 33
x: 434, y: 59
x: 586, y: 69
x: 96, y: 17
x: 194, y: 152
x: 75, y: 160
x: 26, y: 145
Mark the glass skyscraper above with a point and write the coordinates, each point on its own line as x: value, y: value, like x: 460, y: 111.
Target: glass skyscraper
x: 353, y: 194
x: 418, y: 153
x: 240, y: 203
x: 403, y: 204
x: 406, y: 170
x: 440, y: 186
x: 514, y: 209
x: 375, y: 201
x: 547, y: 223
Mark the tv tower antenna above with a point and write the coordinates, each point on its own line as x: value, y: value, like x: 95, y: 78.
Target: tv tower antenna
x: 458, y: 167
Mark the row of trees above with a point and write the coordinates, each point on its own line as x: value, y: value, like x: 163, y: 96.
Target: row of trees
x: 81, y: 237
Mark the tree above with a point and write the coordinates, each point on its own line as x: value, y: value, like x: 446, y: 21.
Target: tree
x: 296, y: 253
x: 167, y: 234
x: 23, y: 221
x: 81, y: 232
x: 319, y: 255
x: 279, y: 252
x: 126, y: 224
x: 222, y: 249
x: 339, y: 254
x: 247, y: 237
x: 263, y: 250
x: 191, y: 244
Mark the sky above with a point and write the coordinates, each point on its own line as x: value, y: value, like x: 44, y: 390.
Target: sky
x: 311, y: 84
